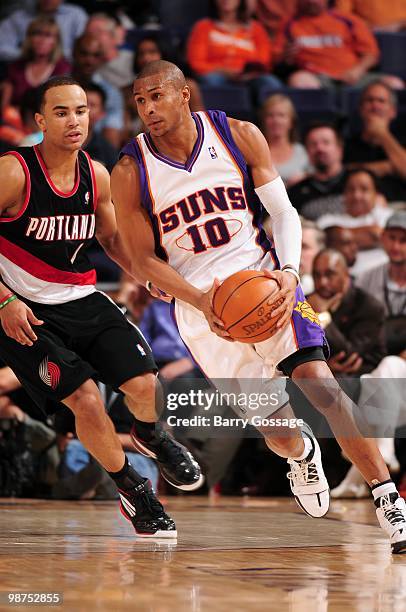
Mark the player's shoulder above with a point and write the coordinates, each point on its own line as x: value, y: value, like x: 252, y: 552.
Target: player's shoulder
x: 12, y: 169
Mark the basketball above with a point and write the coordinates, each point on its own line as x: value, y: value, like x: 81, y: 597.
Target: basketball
x: 244, y: 302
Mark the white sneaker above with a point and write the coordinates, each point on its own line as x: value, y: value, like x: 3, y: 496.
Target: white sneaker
x: 391, y: 513
x: 350, y: 491
x: 308, y: 482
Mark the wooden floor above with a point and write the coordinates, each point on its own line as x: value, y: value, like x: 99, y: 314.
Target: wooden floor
x: 231, y: 554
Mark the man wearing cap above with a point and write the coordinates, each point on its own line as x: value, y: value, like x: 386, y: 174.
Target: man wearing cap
x: 387, y: 282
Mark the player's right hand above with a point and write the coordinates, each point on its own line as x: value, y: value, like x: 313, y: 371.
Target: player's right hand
x: 206, y: 306
x: 16, y: 320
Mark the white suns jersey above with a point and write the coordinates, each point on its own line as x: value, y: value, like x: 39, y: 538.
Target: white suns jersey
x: 205, y: 213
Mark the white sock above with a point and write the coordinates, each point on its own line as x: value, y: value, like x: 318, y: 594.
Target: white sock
x: 308, y: 447
x: 384, y: 489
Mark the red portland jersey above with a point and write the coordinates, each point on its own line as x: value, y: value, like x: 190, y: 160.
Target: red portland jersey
x: 43, y: 248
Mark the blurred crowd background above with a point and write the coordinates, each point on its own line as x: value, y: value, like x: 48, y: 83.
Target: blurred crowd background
x: 325, y: 82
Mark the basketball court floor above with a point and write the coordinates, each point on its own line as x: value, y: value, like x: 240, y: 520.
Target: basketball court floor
x: 231, y: 554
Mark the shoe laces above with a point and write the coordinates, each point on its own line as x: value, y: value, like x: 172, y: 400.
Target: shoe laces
x: 303, y: 473
x: 145, y: 495
x: 176, y: 451
x: 391, y: 512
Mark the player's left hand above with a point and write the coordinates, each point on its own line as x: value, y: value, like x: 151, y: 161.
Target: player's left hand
x: 206, y: 306
x: 287, y: 293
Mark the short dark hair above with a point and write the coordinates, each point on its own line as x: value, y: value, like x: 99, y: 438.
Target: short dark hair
x: 362, y: 170
x: 95, y: 88
x: 315, y: 125
x: 242, y: 11
x: 57, y: 81
x: 381, y: 83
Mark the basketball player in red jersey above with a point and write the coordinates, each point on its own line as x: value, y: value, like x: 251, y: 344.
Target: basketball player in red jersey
x: 57, y: 332
x: 182, y: 194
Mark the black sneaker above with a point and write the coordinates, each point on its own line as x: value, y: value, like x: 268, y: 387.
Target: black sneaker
x: 176, y: 463
x: 146, y: 513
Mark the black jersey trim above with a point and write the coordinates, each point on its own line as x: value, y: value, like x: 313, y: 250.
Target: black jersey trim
x: 54, y: 188
x: 23, y: 163
x: 94, y: 182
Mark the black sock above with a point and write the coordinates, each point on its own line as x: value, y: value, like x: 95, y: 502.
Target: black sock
x: 127, y: 477
x: 146, y: 431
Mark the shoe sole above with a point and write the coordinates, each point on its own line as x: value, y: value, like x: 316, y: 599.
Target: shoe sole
x: 143, y: 450
x: 308, y: 513
x: 158, y: 534
x: 399, y: 548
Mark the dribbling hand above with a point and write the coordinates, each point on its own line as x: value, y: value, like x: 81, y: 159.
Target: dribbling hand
x: 206, y: 306
x: 16, y: 320
x: 287, y: 293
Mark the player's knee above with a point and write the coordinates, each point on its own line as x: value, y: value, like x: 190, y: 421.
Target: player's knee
x: 86, y: 403
x: 141, y: 388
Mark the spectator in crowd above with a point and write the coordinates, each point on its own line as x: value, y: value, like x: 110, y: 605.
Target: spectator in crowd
x: 387, y: 282
x: 376, y: 147
x: 313, y: 241
x: 382, y: 16
x: 272, y: 13
x: 321, y: 192
x: 363, y: 215
x: 98, y: 147
x: 118, y: 66
x: 342, y: 239
x: 279, y: 124
x: 230, y: 47
x: 70, y: 19
x: 324, y: 47
x: 353, y: 320
x: 28, y: 108
x: 88, y: 59
x: 41, y: 58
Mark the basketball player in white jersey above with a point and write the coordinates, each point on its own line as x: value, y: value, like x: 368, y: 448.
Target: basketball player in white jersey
x: 185, y: 205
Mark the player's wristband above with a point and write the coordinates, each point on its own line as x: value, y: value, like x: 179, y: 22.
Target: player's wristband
x: 5, y: 297
x: 7, y: 300
x: 292, y: 270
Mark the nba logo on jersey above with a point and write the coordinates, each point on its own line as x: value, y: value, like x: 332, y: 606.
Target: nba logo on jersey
x: 141, y: 350
x: 212, y: 152
x: 87, y: 197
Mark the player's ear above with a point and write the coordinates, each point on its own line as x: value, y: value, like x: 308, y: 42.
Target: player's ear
x: 40, y: 121
x: 186, y: 93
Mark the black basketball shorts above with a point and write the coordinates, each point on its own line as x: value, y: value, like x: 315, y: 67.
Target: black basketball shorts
x: 81, y: 339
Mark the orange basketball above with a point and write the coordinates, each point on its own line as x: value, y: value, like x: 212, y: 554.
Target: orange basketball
x: 244, y: 302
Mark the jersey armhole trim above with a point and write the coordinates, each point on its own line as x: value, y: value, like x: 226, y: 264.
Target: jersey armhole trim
x: 94, y: 182
x: 27, y: 189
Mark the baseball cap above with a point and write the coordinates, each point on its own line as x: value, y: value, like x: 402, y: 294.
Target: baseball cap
x: 398, y: 220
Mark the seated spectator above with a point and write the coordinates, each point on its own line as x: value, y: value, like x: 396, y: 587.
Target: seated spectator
x: 229, y: 47
x: 363, y: 215
x: 87, y: 60
x: 387, y: 282
x: 98, y: 147
x: 353, y: 320
x: 279, y: 124
x: 41, y: 58
x: 321, y: 192
x: 378, y: 15
x: 324, y: 47
x: 118, y: 66
x: 70, y: 19
x: 28, y: 109
x: 272, y: 13
x: 342, y: 239
x: 376, y: 147
x: 313, y: 241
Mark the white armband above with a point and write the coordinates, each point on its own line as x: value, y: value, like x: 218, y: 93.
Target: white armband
x: 285, y: 222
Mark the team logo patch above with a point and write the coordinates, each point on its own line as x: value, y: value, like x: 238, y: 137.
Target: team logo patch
x: 213, y: 153
x: 49, y: 373
x: 307, y: 312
